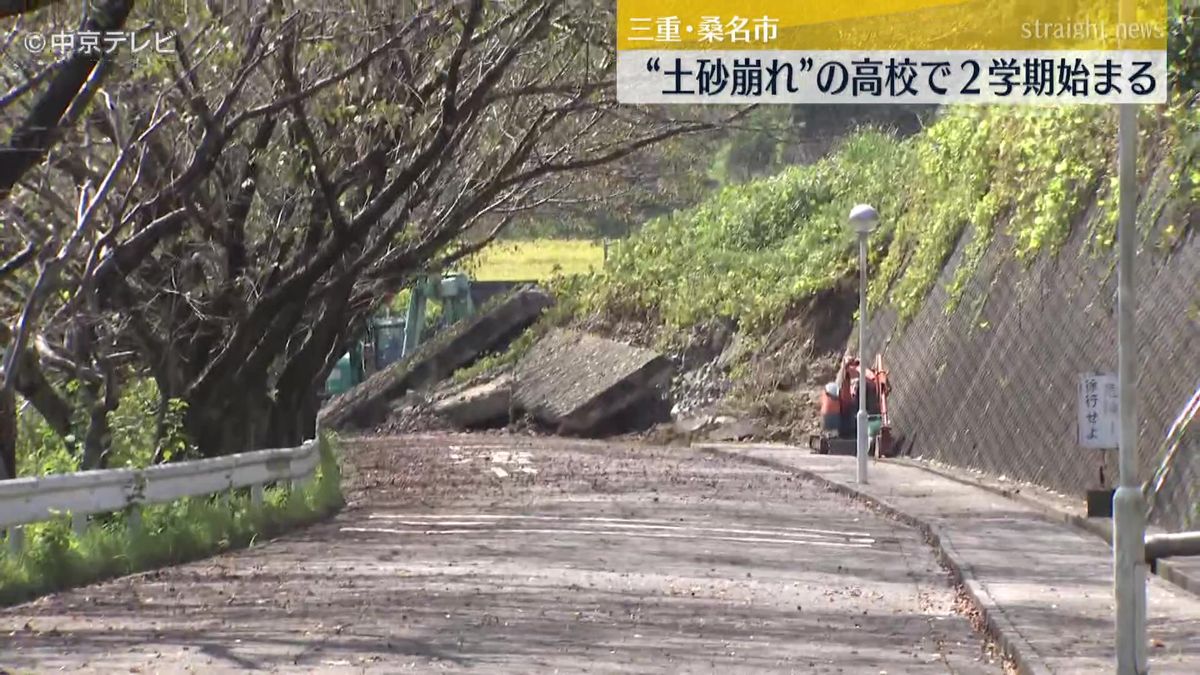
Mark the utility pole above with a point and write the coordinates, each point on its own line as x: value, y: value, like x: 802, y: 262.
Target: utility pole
x: 1129, y: 510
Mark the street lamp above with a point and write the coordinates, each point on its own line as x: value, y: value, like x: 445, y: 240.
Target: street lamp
x: 863, y: 219
x: 1129, y: 508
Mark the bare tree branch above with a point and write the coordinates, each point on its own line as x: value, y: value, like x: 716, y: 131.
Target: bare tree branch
x: 32, y: 139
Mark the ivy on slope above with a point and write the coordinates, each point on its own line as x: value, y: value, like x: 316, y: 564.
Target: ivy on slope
x: 1033, y: 168
x: 1184, y: 147
x: 753, y: 251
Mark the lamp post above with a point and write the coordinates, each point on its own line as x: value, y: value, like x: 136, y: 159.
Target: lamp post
x: 863, y: 219
x: 1129, y: 508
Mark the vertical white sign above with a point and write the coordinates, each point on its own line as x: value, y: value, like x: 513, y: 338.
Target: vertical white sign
x: 1099, y: 411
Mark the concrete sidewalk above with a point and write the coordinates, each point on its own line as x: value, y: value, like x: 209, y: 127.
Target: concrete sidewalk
x: 1045, y: 586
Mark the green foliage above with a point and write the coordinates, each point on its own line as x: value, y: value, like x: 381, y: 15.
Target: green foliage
x: 40, y: 450
x: 753, y: 251
x: 134, y: 427
x: 747, y: 153
x: 954, y: 178
x: 1034, y: 166
x: 1183, y: 48
x: 54, y: 557
x: 494, y: 362
x: 1185, y: 150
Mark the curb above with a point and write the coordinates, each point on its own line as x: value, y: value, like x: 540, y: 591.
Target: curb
x: 999, y: 627
x: 1173, y: 574
x: 1166, y: 570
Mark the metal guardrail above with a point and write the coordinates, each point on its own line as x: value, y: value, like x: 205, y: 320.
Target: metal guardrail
x: 24, y: 501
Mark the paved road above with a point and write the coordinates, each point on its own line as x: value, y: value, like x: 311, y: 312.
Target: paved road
x: 1049, y: 584
x: 498, y: 554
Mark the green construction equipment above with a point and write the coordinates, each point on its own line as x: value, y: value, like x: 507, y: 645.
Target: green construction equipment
x: 454, y: 293
x: 390, y: 339
x: 348, y: 372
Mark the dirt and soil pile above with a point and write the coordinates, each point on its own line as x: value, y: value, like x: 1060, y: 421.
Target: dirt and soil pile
x: 599, y: 379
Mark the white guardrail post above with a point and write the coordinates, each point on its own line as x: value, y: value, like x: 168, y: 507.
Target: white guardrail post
x: 79, y: 522
x: 16, y: 539
x: 24, y: 501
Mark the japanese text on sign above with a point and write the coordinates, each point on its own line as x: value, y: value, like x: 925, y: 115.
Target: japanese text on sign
x: 708, y: 30
x: 890, y: 51
x: 925, y: 78
x: 1099, y: 411
x: 94, y: 42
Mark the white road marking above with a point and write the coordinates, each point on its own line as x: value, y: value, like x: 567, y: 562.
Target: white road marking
x: 505, y: 457
x: 476, y: 525
x: 790, y: 531
x: 610, y: 533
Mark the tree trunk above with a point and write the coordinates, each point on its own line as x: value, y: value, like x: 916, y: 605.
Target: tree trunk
x: 33, y: 385
x: 103, y: 400
x: 235, y: 420
x: 160, y: 426
x: 250, y: 421
x: 8, y: 436
x: 242, y: 418
x: 32, y: 139
x: 294, y: 415
x: 15, y: 7
x: 293, y: 419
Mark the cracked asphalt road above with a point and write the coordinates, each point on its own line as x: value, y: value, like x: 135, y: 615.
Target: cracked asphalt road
x: 513, y: 554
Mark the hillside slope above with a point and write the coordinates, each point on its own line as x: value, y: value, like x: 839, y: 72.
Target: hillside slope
x: 992, y: 283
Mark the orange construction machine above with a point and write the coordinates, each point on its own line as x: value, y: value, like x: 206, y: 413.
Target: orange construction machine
x: 839, y: 411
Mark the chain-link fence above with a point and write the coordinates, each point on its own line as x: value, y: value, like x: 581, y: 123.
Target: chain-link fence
x: 1173, y: 491
x: 992, y: 384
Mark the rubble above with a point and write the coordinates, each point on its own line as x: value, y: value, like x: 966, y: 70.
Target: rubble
x: 698, y: 389
x: 485, y: 404
x: 727, y: 429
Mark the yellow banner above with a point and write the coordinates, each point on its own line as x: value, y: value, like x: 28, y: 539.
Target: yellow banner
x: 890, y: 25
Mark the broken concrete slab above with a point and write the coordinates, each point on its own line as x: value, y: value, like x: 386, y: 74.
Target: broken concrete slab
x: 367, y: 404
x: 729, y: 429
x: 692, y: 425
x: 578, y: 383
x: 482, y: 292
x: 689, y: 429
x: 478, y: 406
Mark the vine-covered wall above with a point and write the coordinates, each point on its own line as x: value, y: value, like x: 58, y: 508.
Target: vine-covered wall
x: 986, y: 370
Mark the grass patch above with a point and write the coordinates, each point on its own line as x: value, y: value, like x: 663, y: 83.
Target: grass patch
x: 495, y: 362
x: 537, y: 260
x: 55, y: 558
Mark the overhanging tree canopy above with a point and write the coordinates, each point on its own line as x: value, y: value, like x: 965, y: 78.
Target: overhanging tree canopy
x: 249, y: 199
